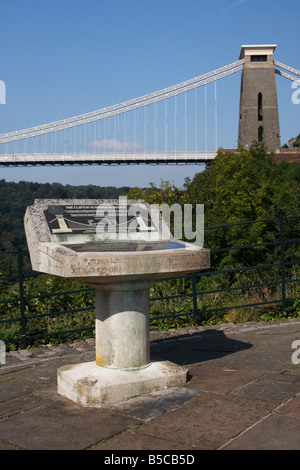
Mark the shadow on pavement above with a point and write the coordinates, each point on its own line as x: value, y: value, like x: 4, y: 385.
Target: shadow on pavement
x: 196, y: 348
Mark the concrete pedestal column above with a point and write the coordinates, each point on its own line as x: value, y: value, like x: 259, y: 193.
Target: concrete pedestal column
x: 122, y: 325
x: 122, y: 369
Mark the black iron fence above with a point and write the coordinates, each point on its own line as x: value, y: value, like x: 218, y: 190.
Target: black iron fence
x: 29, y: 299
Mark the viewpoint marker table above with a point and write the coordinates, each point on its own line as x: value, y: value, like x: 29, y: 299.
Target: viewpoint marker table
x: 121, y: 248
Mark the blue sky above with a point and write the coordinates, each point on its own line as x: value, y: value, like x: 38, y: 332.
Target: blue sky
x: 61, y: 58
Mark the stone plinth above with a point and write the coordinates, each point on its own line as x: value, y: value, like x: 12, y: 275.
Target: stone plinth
x: 92, y: 386
x: 64, y: 239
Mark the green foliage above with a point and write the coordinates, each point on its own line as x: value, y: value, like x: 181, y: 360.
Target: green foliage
x: 52, y: 306
x: 294, y: 142
x: 167, y: 193
x: 246, y: 185
x: 243, y: 186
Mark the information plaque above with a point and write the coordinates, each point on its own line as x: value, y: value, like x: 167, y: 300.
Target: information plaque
x: 111, y: 218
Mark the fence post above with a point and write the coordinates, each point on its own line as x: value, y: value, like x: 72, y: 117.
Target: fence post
x: 195, y: 307
x: 22, y: 299
x: 282, y: 261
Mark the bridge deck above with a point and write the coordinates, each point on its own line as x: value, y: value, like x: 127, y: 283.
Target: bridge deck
x: 105, y: 158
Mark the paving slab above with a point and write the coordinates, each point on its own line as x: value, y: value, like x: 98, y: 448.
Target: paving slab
x: 7, y: 446
x: 19, y: 405
x: 207, y: 421
x: 139, y: 441
x: 58, y: 425
x: 259, y: 360
x: 271, y: 387
x: 291, y: 408
x: 218, y: 380
x: 154, y: 404
x: 294, y: 370
x: 11, y: 389
x: 276, y: 432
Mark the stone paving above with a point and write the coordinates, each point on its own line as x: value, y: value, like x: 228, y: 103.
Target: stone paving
x: 243, y: 393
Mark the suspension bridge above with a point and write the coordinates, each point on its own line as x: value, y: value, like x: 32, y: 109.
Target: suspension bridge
x: 178, y: 124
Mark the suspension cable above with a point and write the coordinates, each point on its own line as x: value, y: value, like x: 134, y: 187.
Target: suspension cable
x: 125, y: 106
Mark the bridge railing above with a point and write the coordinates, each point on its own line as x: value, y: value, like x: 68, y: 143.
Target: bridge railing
x: 37, y: 308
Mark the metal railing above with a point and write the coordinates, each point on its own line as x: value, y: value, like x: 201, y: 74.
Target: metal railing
x: 16, y: 274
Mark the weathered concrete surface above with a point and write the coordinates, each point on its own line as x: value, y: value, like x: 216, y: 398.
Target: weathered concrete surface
x: 92, y: 386
x: 122, y: 325
x: 244, y: 393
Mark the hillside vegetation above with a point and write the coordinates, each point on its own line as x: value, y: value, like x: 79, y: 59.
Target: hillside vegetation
x: 15, y: 197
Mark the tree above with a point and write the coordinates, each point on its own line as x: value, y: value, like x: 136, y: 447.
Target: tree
x: 293, y: 143
x: 167, y: 193
x: 245, y: 186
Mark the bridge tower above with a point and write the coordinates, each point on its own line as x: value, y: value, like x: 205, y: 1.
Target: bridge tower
x: 258, y: 118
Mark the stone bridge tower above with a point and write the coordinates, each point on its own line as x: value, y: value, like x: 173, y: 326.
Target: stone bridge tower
x: 258, y: 118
